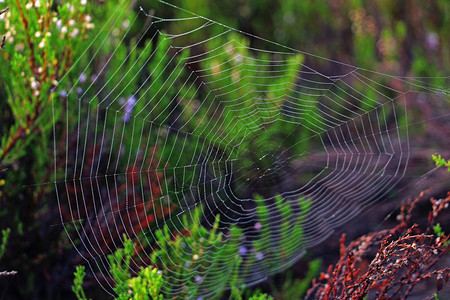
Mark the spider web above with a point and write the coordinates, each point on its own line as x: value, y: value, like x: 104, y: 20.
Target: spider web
x: 258, y: 136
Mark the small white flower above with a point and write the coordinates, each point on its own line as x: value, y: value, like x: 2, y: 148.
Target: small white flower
x: 71, y: 22
x: 83, y: 2
x: 29, y: 5
x: 37, y: 34
x: 34, y: 85
x: 9, y: 37
x: 88, y: 18
x: 37, y: 3
x: 42, y: 44
x: 19, y: 47
x: 74, y: 32
x: 64, y: 29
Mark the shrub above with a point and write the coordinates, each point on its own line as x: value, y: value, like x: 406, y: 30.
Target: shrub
x: 406, y: 256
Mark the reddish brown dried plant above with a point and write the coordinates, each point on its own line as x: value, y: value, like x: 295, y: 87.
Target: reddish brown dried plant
x: 406, y: 256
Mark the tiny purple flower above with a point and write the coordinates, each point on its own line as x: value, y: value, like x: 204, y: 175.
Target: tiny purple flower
x: 257, y: 226
x: 63, y: 93
x: 129, y: 108
x: 259, y: 256
x: 198, y: 279
x: 82, y: 78
x: 79, y: 91
x: 159, y: 272
x: 126, y: 118
x: 242, y: 250
x: 432, y: 41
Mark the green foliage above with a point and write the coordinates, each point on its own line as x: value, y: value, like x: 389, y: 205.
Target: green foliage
x: 441, y: 162
x: 77, y: 287
x: 438, y: 230
x: 288, y: 235
x: 5, y: 236
x: 295, y: 288
x: 440, y: 233
x: 120, y: 267
x: 40, y: 48
x: 147, y: 285
x: 189, y: 257
x: 43, y: 41
x: 180, y: 254
x: 260, y: 296
x: 252, y: 128
x: 242, y: 77
x: 185, y: 256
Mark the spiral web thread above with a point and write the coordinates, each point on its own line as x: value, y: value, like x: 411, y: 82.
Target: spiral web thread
x: 206, y: 135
